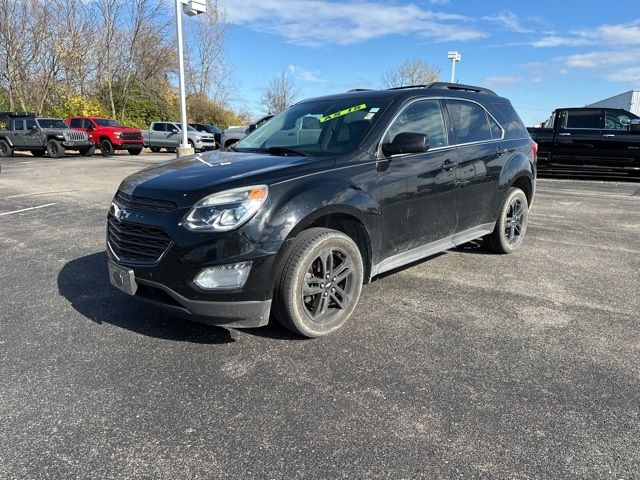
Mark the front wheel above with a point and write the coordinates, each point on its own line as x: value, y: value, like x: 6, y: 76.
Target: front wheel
x: 88, y: 151
x: 55, y: 149
x: 320, y: 283
x: 134, y: 151
x: 511, y: 226
x: 106, y: 147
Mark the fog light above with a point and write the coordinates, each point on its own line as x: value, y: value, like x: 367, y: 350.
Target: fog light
x: 225, y: 276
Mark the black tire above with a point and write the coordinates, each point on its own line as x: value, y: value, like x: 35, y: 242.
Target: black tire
x: 5, y: 149
x: 38, y: 153
x: 88, y: 151
x: 317, y: 314
x: 106, y: 147
x: 155, y: 149
x: 55, y: 149
x: 511, y: 225
x: 134, y: 151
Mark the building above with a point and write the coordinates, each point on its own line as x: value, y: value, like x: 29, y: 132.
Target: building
x: 629, y: 101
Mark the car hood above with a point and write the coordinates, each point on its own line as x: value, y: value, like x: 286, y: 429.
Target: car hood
x: 123, y: 129
x: 186, y: 180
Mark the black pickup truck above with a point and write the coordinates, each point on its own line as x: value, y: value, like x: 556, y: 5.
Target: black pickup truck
x: 589, y: 140
x: 25, y: 131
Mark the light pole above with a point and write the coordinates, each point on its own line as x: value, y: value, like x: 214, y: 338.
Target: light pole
x: 454, y: 57
x: 191, y: 8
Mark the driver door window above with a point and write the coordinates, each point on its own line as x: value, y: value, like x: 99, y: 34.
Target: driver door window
x: 425, y: 117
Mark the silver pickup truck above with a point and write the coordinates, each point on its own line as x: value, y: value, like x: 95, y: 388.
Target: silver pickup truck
x: 233, y: 135
x: 168, y: 135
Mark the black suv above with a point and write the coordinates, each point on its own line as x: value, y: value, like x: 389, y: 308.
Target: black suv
x: 328, y: 194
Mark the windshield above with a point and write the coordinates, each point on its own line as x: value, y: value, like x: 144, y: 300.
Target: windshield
x: 179, y: 127
x: 51, y: 123
x: 107, y: 122
x: 324, y: 127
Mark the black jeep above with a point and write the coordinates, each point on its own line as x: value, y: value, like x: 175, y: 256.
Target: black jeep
x: 324, y: 197
x: 24, y: 131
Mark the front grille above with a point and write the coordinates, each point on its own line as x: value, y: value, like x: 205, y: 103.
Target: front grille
x: 136, y: 243
x: 71, y: 135
x: 131, y: 136
x: 208, y: 140
x: 143, y: 204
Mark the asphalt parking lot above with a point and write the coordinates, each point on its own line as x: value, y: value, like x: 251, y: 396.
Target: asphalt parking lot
x: 466, y: 365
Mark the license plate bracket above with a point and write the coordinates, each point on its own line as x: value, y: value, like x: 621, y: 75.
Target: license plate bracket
x: 123, y: 278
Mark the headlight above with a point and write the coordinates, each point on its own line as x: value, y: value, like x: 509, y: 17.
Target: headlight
x: 226, y: 210
x: 117, y: 134
x: 62, y: 136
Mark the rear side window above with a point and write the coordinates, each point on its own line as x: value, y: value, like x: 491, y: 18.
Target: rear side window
x: 18, y: 125
x: 76, y: 123
x: 424, y: 116
x: 470, y: 121
x: 506, y: 115
x: 582, y: 119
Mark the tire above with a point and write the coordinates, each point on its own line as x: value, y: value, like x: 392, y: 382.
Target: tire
x: 55, y: 149
x: 88, y: 152
x: 5, y: 149
x: 106, y: 147
x: 134, y: 151
x: 511, y: 226
x: 317, y: 314
x: 155, y: 149
x: 38, y: 153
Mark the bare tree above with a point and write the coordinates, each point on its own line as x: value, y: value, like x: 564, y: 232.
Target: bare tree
x: 411, y: 72
x: 280, y: 94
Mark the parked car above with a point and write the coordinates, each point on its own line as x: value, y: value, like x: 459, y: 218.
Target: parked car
x: 233, y: 135
x: 328, y: 194
x: 208, y: 128
x: 592, y: 140
x: 168, y: 135
x: 109, y: 135
x: 24, y: 131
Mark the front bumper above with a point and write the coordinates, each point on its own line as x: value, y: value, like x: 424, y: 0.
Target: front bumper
x: 168, y: 282
x: 126, y: 145
x: 77, y: 144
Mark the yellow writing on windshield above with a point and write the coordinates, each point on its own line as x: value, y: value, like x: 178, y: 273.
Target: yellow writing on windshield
x: 341, y: 113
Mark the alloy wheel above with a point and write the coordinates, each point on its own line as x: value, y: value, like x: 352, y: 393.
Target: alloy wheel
x: 515, y: 222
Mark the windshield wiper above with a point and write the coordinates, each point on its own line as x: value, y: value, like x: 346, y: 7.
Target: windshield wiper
x: 286, y: 151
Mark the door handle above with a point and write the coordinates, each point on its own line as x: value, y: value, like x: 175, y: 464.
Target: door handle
x: 448, y: 165
x: 501, y: 151
x: 608, y: 135
x: 564, y: 134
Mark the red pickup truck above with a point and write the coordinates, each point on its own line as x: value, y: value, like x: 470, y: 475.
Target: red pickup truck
x: 108, y: 135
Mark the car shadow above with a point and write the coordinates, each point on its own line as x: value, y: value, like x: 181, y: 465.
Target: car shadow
x: 84, y: 282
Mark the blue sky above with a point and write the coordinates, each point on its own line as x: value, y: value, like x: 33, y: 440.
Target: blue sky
x: 540, y: 54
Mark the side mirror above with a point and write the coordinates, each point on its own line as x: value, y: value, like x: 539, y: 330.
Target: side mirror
x: 174, y: 130
x: 634, y: 126
x: 33, y: 128
x: 406, y: 142
x: 252, y: 127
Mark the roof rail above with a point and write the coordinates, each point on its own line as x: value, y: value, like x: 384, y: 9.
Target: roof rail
x: 461, y: 86
x: 359, y: 90
x: 17, y: 114
x: 410, y: 86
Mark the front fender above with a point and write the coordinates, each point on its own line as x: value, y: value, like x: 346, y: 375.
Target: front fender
x: 290, y: 210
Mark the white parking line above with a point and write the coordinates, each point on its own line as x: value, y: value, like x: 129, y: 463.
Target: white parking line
x: 39, y: 193
x: 27, y: 209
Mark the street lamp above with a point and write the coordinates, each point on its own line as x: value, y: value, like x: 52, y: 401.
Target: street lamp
x: 454, y: 57
x: 191, y: 8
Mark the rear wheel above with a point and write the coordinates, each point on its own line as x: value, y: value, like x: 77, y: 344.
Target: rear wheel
x: 134, y: 151
x: 155, y: 149
x: 106, y: 147
x: 38, y: 153
x: 55, y: 149
x: 88, y: 151
x: 5, y: 149
x: 511, y: 226
x: 320, y: 283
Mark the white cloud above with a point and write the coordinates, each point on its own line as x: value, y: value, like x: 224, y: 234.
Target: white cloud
x: 556, y: 41
x: 509, y: 80
x: 508, y: 20
x: 621, y: 34
x: 601, y: 59
x: 320, y: 22
x: 625, y: 75
x: 305, y: 74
